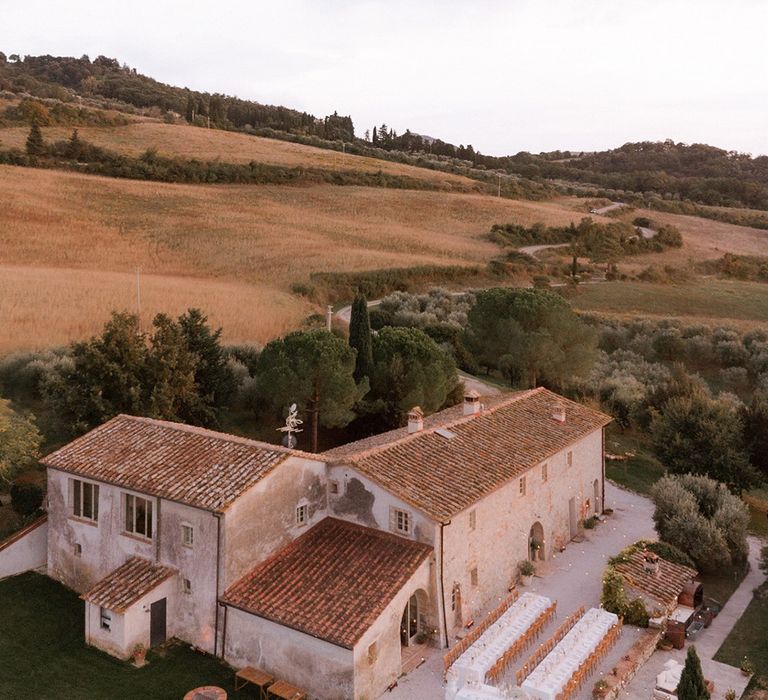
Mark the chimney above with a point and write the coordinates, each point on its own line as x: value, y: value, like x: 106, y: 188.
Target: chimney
x: 471, y: 403
x: 558, y: 413
x: 651, y: 563
x: 415, y: 420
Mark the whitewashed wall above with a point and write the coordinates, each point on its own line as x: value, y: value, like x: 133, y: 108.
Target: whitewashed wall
x: 25, y: 550
x: 307, y: 662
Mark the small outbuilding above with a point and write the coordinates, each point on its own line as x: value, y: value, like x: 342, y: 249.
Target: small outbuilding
x: 658, y: 582
x: 130, y: 606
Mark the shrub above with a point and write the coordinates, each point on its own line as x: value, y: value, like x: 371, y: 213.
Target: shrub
x: 26, y: 498
x: 526, y: 568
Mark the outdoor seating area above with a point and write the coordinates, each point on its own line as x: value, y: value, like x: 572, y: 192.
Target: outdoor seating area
x: 564, y: 670
x: 501, y: 642
x: 269, y: 687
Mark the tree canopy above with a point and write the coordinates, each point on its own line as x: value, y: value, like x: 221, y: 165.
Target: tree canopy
x: 315, y: 370
x: 702, y: 518
x: 692, y: 685
x: 410, y: 369
x: 175, y: 373
x: 530, y: 335
x: 697, y: 434
x: 19, y: 442
x: 360, y: 337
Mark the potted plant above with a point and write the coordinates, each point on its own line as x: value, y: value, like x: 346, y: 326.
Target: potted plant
x: 139, y: 655
x: 600, y: 690
x: 746, y: 667
x: 535, y: 548
x: 527, y: 570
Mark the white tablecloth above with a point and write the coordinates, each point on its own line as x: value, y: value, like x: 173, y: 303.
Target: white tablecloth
x: 559, y: 666
x: 476, y: 661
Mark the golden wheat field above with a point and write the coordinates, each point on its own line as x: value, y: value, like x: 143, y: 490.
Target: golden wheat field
x: 229, y: 147
x: 70, y: 245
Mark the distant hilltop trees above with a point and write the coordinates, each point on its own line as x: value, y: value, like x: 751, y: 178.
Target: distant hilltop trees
x: 59, y: 77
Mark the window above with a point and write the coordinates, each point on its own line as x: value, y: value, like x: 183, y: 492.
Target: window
x: 472, y: 519
x: 569, y: 459
x: 333, y: 488
x: 544, y: 475
x: 401, y: 521
x: 186, y: 586
x: 302, y: 514
x: 473, y: 577
x: 85, y: 500
x: 78, y: 549
x: 187, y: 535
x: 105, y: 617
x: 522, y: 486
x: 373, y: 653
x: 138, y: 516
x: 455, y: 597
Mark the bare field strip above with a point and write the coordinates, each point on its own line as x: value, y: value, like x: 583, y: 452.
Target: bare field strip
x: 228, y: 146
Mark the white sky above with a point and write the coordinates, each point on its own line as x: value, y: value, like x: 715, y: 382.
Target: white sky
x: 504, y: 76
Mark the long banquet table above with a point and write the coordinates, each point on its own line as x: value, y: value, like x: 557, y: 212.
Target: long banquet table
x: 558, y: 667
x: 472, y: 666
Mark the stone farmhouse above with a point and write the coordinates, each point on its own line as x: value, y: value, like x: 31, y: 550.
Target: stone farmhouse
x: 323, y: 569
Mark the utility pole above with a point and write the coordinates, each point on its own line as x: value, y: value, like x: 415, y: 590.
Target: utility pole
x: 138, y: 295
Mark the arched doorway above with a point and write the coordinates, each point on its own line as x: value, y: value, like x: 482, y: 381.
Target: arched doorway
x: 410, y: 623
x: 596, y: 487
x: 536, y: 542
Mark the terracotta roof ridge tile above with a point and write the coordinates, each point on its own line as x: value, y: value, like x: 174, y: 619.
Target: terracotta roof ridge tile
x: 460, y: 420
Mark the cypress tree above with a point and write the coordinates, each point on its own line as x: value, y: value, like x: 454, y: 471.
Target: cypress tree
x: 692, y: 685
x: 360, y: 337
x: 35, y: 143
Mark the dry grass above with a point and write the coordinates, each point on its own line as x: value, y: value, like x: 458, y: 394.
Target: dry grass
x: 704, y: 239
x: 713, y: 302
x: 43, y: 306
x: 230, y: 147
x: 69, y: 246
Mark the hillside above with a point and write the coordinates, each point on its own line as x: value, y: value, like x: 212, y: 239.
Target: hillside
x: 637, y: 172
x: 180, y: 140
x: 71, y: 244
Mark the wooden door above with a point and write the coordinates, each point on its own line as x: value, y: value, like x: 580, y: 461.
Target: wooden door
x: 157, y: 623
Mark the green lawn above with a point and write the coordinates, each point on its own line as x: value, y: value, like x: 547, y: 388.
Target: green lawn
x: 637, y: 473
x: 749, y: 637
x: 43, y: 656
x: 703, y: 298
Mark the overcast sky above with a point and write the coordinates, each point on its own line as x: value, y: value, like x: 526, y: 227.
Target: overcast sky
x: 504, y: 76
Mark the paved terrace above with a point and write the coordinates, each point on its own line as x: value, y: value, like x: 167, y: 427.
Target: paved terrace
x: 573, y: 578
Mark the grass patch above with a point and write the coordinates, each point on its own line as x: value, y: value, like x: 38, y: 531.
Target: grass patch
x: 43, y: 654
x: 710, y: 299
x: 757, y: 502
x: 748, y: 637
x: 637, y: 473
x: 720, y: 585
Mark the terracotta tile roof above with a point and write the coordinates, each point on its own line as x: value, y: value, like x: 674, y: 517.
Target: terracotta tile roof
x: 431, y: 422
x: 332, y: 582
x: 665, y: 586
x: 182, y: 463
x: 127, y: 584
x: 444, y: 475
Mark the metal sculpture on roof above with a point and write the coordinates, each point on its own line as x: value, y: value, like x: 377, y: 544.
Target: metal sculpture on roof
x: 292, y: 423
